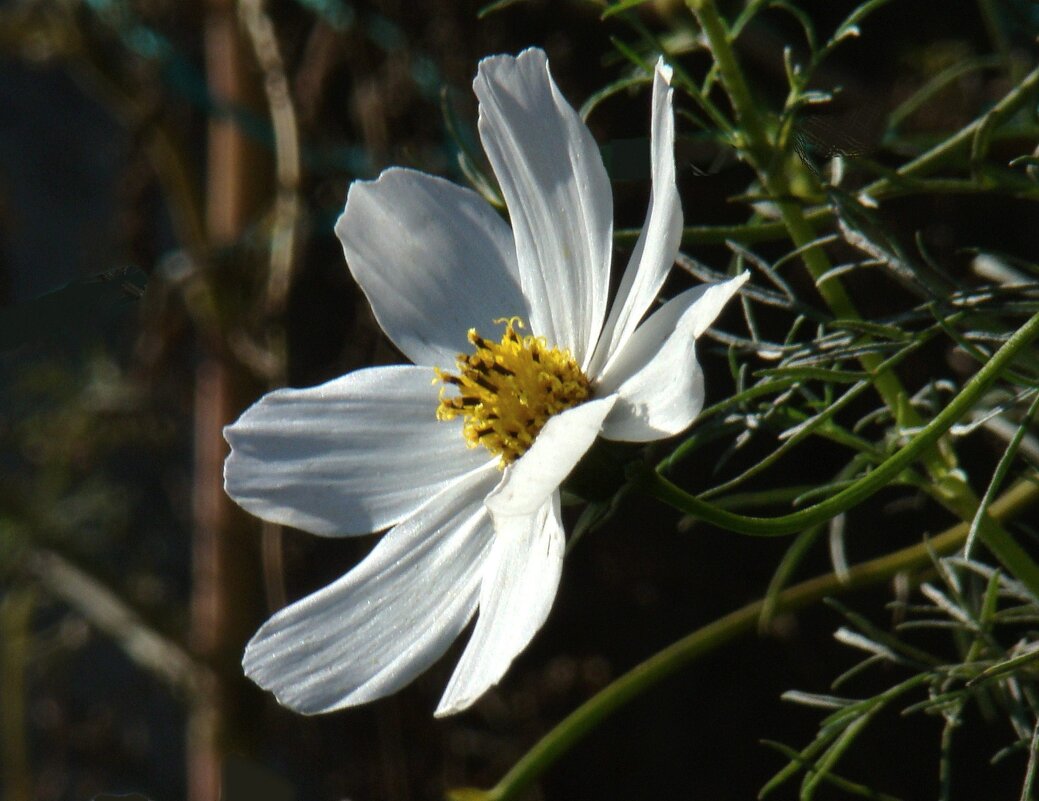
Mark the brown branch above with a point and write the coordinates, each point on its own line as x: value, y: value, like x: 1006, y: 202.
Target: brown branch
x: 287, y: 205
x: 108, y: 613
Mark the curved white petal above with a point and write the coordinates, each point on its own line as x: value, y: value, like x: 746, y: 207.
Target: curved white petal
x: 350, y: 456
x: 387, y: 620
x: 656, y: 376
x: 658, y: 243
x: 519, y: 585
x: 558, y: 196
x: 559, y: 446
x: 433, y: 259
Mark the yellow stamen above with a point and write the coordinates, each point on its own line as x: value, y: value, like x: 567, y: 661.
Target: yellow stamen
x: 507, y: 390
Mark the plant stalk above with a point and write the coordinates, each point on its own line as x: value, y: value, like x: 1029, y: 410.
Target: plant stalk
x: 719, y: 633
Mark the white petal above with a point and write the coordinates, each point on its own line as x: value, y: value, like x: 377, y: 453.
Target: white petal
x: 656, y: 376
x: 434, y: 260
x: 558, y: 197
x: 519, y: 585
x: 658, y: 243
x: 350, y: 456
x: 387, y: 620
x: 559, y: 446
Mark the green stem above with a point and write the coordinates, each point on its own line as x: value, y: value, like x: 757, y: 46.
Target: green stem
x: 1000, y: 41
x: 949, y: 485
x: 756, y: 146
x: 773, y: 170
x: 885, y: 381
x: 722, y: 631
x: 978, y: 526
x: 654, y: 483
x: 744, y: 233
x: 1011, y: 102
x: 889, y: 186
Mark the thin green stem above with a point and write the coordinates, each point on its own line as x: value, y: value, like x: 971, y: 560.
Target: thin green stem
x: 773, y: 171
x: 798, y: 761
x: 888, y: 186
x: 722, y: 631
x: 1002, y: 469
x: 654, y: 483
x: 767, y: 497
x: 777, y: 174
x: 744, y: 233
x: 1000, y: 41
x: 961, y: 140
x: 681, y: 77
x: 756, y: 144
x: 950, y: 487
x: 1030, y: 771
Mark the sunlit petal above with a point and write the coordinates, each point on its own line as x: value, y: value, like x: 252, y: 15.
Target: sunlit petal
x: 387, y: 620
x: 661, y: 234
x: 562, y: 442
x: 522, y: 575
x: 351, y: 456
x: 433, y: 259
x: 656, y: 377
x: 557, y: 193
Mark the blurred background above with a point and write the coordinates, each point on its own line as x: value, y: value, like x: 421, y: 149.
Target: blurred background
x: 170, y: 172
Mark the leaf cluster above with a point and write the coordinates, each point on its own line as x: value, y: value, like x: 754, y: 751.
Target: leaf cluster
x: 987, y: 623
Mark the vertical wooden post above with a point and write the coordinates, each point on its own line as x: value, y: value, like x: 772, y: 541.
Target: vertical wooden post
x: 207, y: 713
x: 225, y: 543
x: 16, y: 608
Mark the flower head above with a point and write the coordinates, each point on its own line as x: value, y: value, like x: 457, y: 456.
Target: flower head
x: 508, y: 390
x: 462, y: 454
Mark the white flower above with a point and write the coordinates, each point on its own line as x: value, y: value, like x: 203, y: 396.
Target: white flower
x: 473, y: 527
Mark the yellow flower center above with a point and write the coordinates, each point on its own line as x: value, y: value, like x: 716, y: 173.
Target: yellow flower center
x: 507, y: 390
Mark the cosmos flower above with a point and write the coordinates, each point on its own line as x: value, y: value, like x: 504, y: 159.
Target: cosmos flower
x: 462, y: 453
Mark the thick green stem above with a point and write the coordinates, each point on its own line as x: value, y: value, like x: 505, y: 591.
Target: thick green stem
x: 756, y: 144
x: 722, y: 631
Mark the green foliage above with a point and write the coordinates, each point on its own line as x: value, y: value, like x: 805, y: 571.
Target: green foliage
x: 988, y: 621
x: 812, y: 374
x: 804, y: 372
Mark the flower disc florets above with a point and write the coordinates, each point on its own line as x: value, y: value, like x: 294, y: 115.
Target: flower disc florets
x: 508, y: 390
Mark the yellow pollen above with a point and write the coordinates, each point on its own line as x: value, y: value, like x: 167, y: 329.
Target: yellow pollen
x: 507, y: 390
